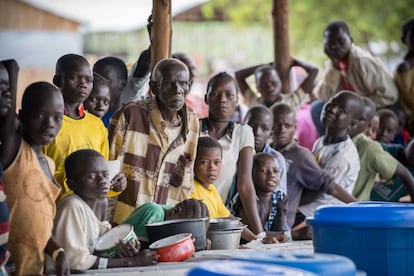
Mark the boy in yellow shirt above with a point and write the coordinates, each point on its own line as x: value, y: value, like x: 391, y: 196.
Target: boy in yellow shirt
x: 207, y: 168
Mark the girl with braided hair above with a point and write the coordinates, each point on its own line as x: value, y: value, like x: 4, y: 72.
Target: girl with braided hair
x: 152, y: 212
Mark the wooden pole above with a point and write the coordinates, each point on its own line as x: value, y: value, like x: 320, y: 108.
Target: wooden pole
x: 280, y: 14
x: 161, y: 31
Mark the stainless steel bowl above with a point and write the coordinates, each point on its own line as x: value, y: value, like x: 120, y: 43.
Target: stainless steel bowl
x: 224, y: 223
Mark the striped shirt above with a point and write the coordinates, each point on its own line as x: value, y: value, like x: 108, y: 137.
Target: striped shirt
x: 157, y: 160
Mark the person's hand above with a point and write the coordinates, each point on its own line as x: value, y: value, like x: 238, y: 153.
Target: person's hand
x: 145, y: 257
x: 118, y: 183
x: 279, y: 236
x: 128, y: 249
x: 208, y: 244
x: 143, y: 63
x: 269, y: 239
x: 62, y: 265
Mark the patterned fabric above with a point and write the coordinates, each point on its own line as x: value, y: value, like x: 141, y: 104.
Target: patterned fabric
x: 341, y: 161
x: 276, y: 220
x: 211, y: 198
x: 31, y: 197
x: 158, y: 169
x: 377, y: 85
x: 4, y: 222
x: 86, y: 133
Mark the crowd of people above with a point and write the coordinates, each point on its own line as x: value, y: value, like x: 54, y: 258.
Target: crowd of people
x: 342, y: 138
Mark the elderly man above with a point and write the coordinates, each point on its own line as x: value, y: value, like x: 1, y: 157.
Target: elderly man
x: 156, y: 141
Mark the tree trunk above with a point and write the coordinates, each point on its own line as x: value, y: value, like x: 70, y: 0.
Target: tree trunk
x: 161, y: 31
x: 280, y: 16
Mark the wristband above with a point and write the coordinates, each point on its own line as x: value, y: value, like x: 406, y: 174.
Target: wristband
x: 56, y: 253
x: 103, y: 263
x: 260, y: 236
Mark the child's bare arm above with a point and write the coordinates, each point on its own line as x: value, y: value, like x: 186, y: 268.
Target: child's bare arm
x: 406, y: 178
x: 341, y: 194
x: 54, y: 250
x: 246, y: 189
x: 9, y: 137
x: 312, y: 71
x: 241, y: 76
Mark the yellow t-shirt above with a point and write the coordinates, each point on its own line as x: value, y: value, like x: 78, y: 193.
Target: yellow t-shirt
x: 211, y: 198
x: 86, y: 133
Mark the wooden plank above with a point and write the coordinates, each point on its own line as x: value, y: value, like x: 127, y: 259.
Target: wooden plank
x: 280, y: 16
x: 161, y: 31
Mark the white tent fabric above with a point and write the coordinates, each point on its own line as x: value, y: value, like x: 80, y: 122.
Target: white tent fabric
x: 108, y: 15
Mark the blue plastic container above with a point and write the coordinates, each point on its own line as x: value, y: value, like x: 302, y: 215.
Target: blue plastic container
x: 320, y: 264
x: 377, y: 236
x: 242, y: 268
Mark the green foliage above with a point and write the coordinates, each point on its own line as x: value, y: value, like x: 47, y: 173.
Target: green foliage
x: 368, y: 19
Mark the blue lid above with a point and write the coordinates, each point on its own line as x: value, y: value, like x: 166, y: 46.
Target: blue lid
x: 365, y: 214
x: 321, y: 264
x: 240, y: 268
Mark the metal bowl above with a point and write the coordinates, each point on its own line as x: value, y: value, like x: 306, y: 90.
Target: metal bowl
x: 198, y: 227
x: 224, y: 223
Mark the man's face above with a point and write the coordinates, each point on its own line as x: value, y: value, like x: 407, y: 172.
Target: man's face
x: 174, y: 85
x: 337, y: 44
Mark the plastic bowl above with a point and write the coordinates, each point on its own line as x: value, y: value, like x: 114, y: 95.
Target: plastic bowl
x: 106, y: 246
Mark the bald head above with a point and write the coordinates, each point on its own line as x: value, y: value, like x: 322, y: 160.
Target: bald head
x: 167, y: 66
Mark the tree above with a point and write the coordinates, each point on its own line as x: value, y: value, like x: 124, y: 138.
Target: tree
x: 370, y: 20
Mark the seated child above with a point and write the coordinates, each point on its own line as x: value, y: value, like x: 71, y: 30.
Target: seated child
x: 28, y: 175
x: 403, y: 136
x: 98, y: 101
x: 388, y: 126
x: 335, y: 152
x: 271, y: 201
x: 153, y: 212
x: 76, y: 226
x: 207, y: 168
x: 372, y: 127
x: 269, y: 85
x: 260, y: 119
x: 304, y: 174
x: 374, y: 160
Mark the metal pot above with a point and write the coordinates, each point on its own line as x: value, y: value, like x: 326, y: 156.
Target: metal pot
x: 175, y: 248
x: 224, y: 223
x: 225, y: 239
x: 198, y: 228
